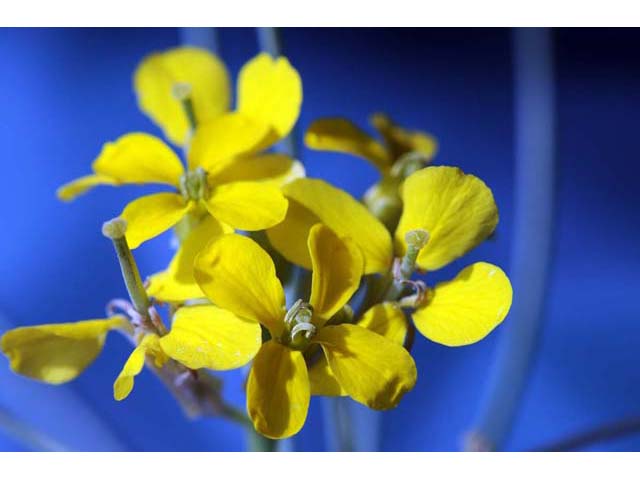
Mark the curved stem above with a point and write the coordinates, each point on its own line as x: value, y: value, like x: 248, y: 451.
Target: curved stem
x: 533, y: 232
x: 29, y: 436
x: 603, y: 433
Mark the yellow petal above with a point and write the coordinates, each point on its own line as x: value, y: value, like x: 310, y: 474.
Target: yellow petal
x: 217, y: 143
x: 247, y: 205
x: 204, y: 336
x: 177, y: 283
x: 371, y: 369
x: 206, y: 76
x: 278, y: 391
x: 270, y: 91
x: 337, y: 266
x: 287, y: 236
x: 274, y: 168
x: 467, y: 308
x: 139, y: 158
x: 57, y: 353
x: 341, y: 135
x: 457, y: 210
x: 386, y: 319
x: 69, y: 191
x: 401, y: 141
x: 239, y: 276
x: 149, y: 216
x: 323, y: 381
x: 135, y: 363
x: 318, y: 201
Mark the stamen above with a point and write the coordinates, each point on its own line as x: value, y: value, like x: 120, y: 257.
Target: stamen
x: 193, y: 184
x: 291, y: 313
x: 299, y: 328
x: 308, y: 329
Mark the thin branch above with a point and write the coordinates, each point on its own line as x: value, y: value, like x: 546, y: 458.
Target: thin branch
x: 610, y: 431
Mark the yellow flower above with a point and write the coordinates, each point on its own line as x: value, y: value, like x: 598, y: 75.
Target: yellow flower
x: 456, y: 210
x: 227, y: 176
x: 201, y: 336
x: 238, y: 276
x: 400, y: 153
x: 142, y: 158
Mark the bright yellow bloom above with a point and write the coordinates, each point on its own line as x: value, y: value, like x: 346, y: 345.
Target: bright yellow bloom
x: 238, y: 276
x: 456, y: 210
x: 227, y: 175
x: 201, y: 336
x: 142, y: 158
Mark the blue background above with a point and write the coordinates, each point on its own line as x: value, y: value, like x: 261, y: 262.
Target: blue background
x: 65, y: 92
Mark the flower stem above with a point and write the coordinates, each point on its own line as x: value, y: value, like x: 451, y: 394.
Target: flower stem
x: 115, y: 229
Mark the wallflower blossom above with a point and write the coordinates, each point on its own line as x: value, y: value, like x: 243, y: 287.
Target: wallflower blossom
x: 238, y: 276
x: 227, y: 175
x: 455, y: 209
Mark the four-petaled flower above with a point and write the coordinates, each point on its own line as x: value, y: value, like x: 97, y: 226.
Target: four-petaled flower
x: 227, y: 175
x: 238, y: 276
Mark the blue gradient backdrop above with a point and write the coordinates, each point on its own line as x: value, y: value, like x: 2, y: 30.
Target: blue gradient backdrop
x: 65, y: 92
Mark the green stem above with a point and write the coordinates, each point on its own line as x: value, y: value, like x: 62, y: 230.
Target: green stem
x: 115, y: 230
x: 258, y: 443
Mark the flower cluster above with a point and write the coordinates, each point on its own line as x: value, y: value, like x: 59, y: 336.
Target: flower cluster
x: 251, y: 226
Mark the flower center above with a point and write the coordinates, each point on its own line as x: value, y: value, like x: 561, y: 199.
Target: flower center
x: 193, y: 184
x: 299, y: 327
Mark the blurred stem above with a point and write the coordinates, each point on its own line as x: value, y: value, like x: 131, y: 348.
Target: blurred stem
x: 258, y: 443
x: 533, y: 234
x: 30, y: 437
x: 603, y: 433
x: 342, y: 437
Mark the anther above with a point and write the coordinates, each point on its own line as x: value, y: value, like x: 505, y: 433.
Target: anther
x: 307, y: 329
